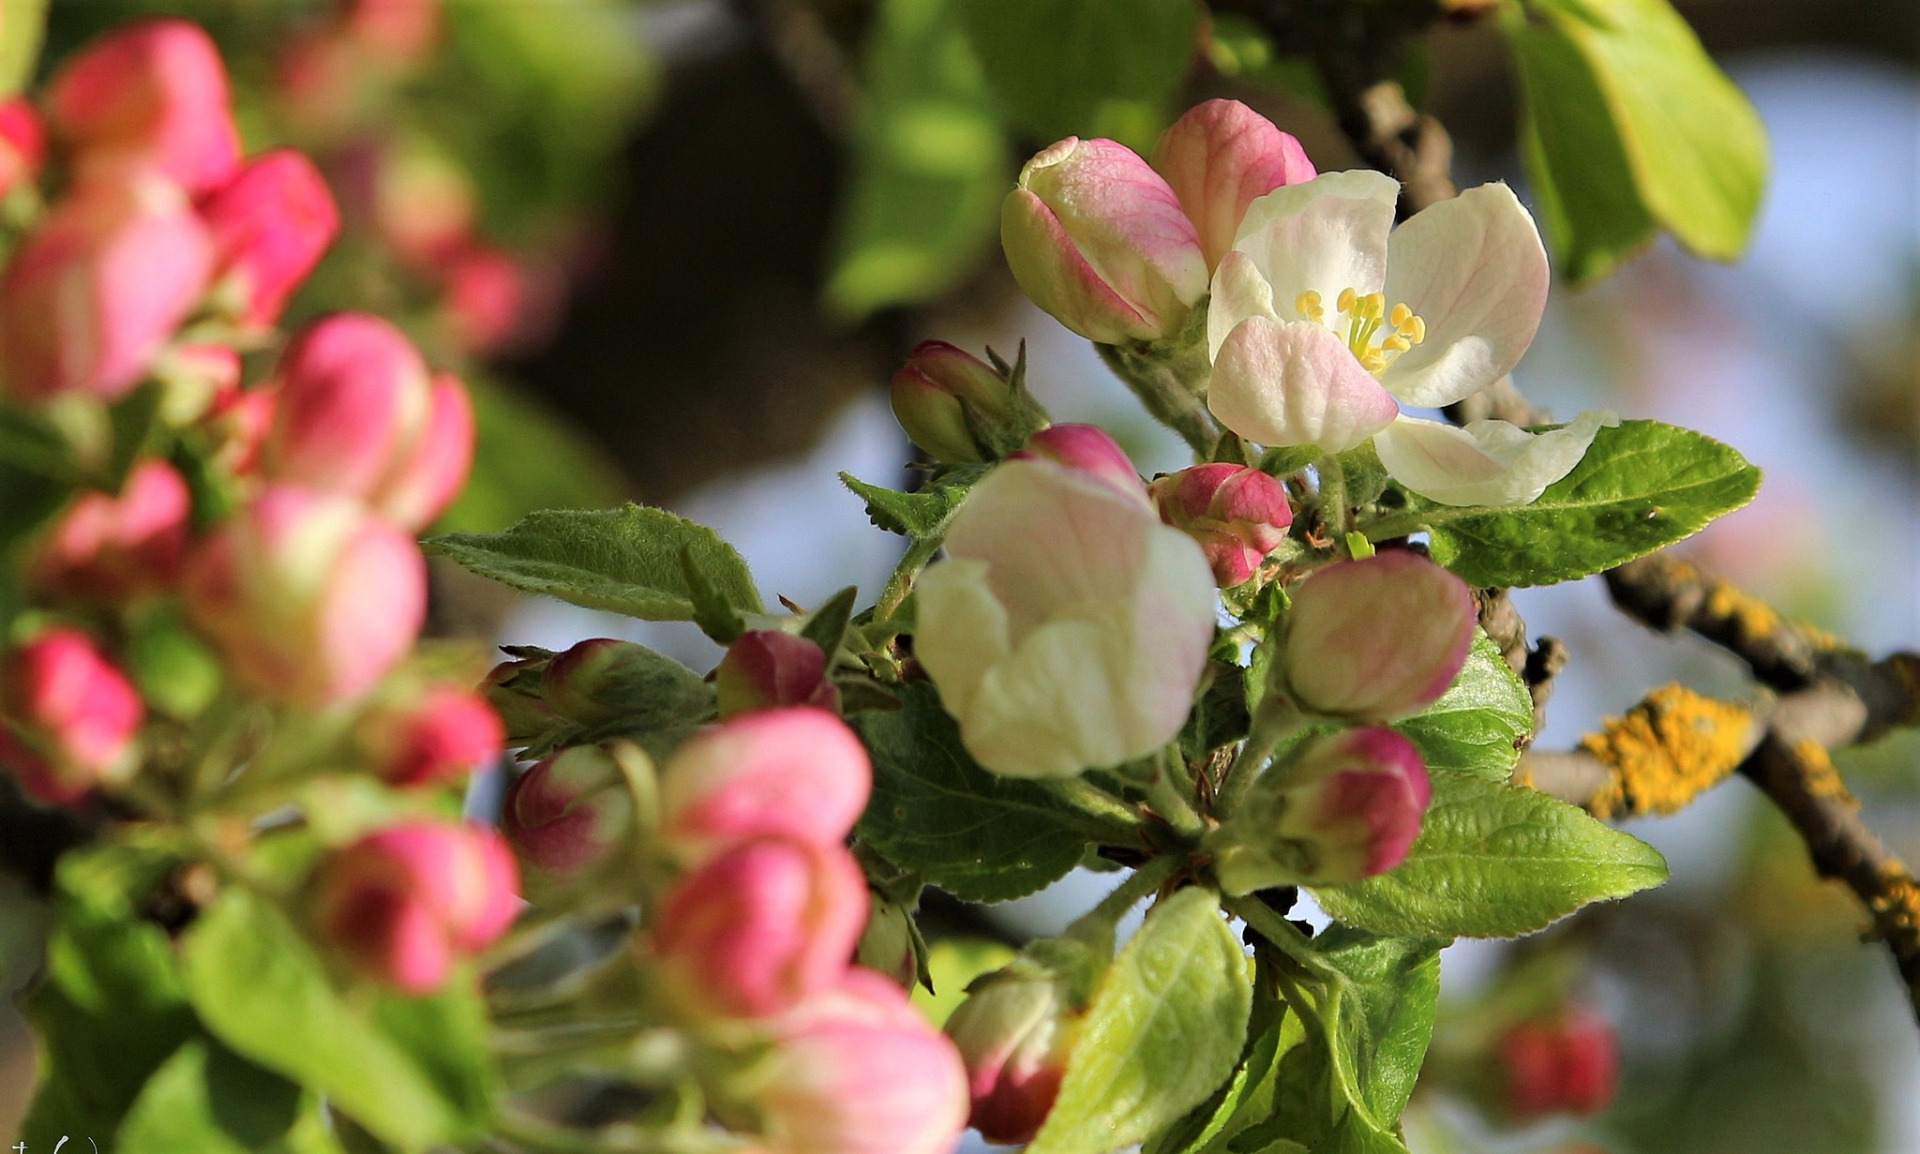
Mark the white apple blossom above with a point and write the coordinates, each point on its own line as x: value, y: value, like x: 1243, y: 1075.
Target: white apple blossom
x: 1069, y: 628
x: 1326, y: 320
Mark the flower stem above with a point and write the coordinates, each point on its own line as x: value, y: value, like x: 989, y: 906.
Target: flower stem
x: 1166, y: 386
x: 1168, y: 794
x: 1109, y: 818
x: 901, y: 582
x: 1273, y: 722
x: 1284, y: 936
x: 1100, y: 920
x: 1333, y: 499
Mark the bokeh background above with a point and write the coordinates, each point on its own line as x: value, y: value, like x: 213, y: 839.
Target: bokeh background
x: 677, y: 247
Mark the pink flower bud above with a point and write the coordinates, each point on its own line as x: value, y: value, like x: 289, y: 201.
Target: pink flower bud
x: 486, y: 290
x: 435, y: 472
x: 762, y: 926
x: 768, y: 668
x: 106, y: 548
x: 1566, y: 1063
x: 73, y: 717
x: 569, y: 813
x: 354, y: 399
x: 98, y: 287
x: 436, y: 735
x: 1097, y: 238
x: 856, y: 1070
x: 1015, y: 1032
x: 1376, y: 639
x: 399, y: 30
x: 269, y: 224
x: 604, y: 679
x: 149, y: 95
x: 1221, y: 157
x: 239, y: 423
x: 1238, y: 514
x: 797, y: 773
x: 1088, y: 449
x: 310, y: 597
x: 23, y: 145
x: 404, y: 904
x: 959, y: 408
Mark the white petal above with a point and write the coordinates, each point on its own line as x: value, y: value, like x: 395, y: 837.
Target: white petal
x: 1050, y: 709
x: 1296, y: 383
x: 961, y: 629
x: 1174, y: 611
x: 1239, y: 292
x: 1326, y: 235
x: 1487, y: 462
x: 1474, y: 270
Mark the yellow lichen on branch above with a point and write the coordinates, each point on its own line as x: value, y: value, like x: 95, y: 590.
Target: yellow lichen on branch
x: 1896, y: 909
x: 1822, y: 779
x: 1666, y: 751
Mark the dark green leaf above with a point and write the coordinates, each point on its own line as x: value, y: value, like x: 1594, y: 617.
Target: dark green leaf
x: 1084, y: 67
x: 209, y: 1100
x: 1165, y: 1029
x: 1641, y: 486
x: 975, y: 834
x: 1386, y: 1013
x: 1477, y: 725
x: 627, y: 560
x: 1495, y: 861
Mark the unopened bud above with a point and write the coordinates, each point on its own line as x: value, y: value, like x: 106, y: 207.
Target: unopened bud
x: 572, y: 812
x: 890, y: 944
x: 73, y: 717
x: 1096, y: 238
x: 310, y: 597
x: 762, y: 926
x: 604, y: 679
x: 107, y: 548
x: 23, y: 145
x: 1219, y: 158
x: 1087, y: 449
x: 269, y: 224
x: 769, y: 668
x: 403, y: 905
x: 1567, y: 1063
x: 959, y: 408
x: 1015, y: 1032
x: 1238, y: 514
x: 486, y: 296
x: 436, y: 735
x: 354, y: 397
x: 797, y: 773
x: 513, y: 689
x: 1375, y: 639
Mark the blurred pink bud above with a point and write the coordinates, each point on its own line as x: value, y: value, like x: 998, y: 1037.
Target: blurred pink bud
x: 1221, y: 157
x: 1377, y: 639
x: 798, y: 773
x: 240, y: 422
x: 196, y: 380
x: 354, y: 397
x: 1015, y: 1032
x: 1095, y: 237
x: 1566, y: 1063
x: 763, y: 925
x: 959, y: 408
x: 438, y: 735
x: 73, y: 716
x: 106, y: 548
x: 150, y: 95
x: 1088, y: 449
x: 98, y: 287
x: 402, y: 31
x: 1238, y: 514
x: 856, y: 1070
x: 404, y: 904
x: 569, y: 812
x: 310, y: 597
x: 436, y: 470
x: 485, y: 290
x: 423, y: 204
x: 768, y: 668
x: 23, y: 145
x: 269, y: 224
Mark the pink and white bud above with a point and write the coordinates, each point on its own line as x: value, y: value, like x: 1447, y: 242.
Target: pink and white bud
x: 107, y: 548
x: 405, y: 904
x: 269, y: 224
x: 770, y: 668
x: 439, y: 734
x: 1221, y: 157
x: 960, y: 408
x: 354, y: 398
x: 309, y: 597
x: 1087, y: 449
x: 1567, y: 1063
x: 570, y: 813
x: 486, y: 292
x: 1376, y: 639
x: 762, y: 926
x: 23, y: 145
x: 98, y: 287
x: 149, y: 96
x: 1096, y: 238
x: 73, y: 717
x: 1015, y: 1032
x: 437, y: 468
x: 856, y: 1070
x: 1238, y: 514
x: 797, y: 773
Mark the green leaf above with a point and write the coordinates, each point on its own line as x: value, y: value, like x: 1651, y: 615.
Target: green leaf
x: 975, y: 834
x: 827, y: 625
x: 1248, y: 1097
x: 261, y: 991
x: 1386, y: 1013
x: 1495, y: 861
x: 627, y: 560
x: 1164, y: 1030
x: 446, y: 1036
x: 1642, y: 485
x: 929, y: 168
x: 1084, y: 67
x: 921, y: 514
x: 1477, y: 725
x: 209, y: 1100
x: 527, y: 457
x: 716, y: 618
x: 22, y: 25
